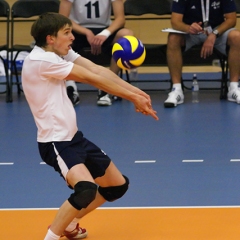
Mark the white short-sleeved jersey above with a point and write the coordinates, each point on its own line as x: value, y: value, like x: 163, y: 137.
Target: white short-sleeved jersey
x: 91, y: 13
x: 43, y: 82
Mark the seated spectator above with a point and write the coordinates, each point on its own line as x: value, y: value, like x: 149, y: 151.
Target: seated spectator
x: 92, y: 27
x: 211, y: 24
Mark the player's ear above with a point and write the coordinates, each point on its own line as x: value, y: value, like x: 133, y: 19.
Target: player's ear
x: 49, y: 39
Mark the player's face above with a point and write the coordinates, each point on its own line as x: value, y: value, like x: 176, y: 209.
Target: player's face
x: 63, y: 41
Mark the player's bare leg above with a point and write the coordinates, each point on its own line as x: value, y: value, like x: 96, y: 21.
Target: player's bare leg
x: 67, y: 212
x: 112, y: 177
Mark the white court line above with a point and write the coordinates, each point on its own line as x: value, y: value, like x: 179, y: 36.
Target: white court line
x: 6, y: 163
x: 145, y: 161
x: 200, y: 160
x: 235, y: 160
x: 42, y: 163
x: 113, y: 208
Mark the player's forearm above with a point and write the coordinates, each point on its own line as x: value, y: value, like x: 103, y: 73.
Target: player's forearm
x: 103, y: 82
x: 181, y: 26
x: 110, y: 75
x: 112, y: 87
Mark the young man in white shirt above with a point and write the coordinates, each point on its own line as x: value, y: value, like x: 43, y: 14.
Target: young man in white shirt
x: 84, y: 166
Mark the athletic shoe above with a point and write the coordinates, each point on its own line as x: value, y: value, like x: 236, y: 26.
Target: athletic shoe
x: 234, y: 95
x: 104, y: 100
x: 175, y: 97
x: 77, y: 233
x: 73, y: 95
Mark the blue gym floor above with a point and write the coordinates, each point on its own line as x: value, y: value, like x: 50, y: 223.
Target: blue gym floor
x: 190, y: 157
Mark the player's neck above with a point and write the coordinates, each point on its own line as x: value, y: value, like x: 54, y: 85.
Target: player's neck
x: 47, y: 48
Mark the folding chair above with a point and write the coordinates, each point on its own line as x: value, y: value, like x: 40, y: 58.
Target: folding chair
x: 223, y: 59
x: 4, y: 18
x: 24, y: 11
x: 216, y: 55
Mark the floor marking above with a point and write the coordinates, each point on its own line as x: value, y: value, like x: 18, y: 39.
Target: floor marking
x: 116, y: 208
x: 145, y: 161
x: 235, y: 160
x: 6, y: 163
x: 42, y: 163
x: 200, y: 160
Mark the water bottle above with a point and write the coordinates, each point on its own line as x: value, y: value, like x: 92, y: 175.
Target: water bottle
x: 195, y: 89
x: 134, y: 74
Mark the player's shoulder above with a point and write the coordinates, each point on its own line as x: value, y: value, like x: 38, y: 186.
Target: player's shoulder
x: 39, y: 54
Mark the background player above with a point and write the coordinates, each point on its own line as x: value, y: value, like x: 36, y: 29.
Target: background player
x: 93, y: 27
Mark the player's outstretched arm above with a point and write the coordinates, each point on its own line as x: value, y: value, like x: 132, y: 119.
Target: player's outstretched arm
x: 142, y: 103
x: 105, y: 72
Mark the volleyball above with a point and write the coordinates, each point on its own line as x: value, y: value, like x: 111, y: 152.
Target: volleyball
x: 128, y: 52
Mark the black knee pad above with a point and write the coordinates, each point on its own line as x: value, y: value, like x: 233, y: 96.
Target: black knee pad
x: 114, y: 193
x: 84, y: 194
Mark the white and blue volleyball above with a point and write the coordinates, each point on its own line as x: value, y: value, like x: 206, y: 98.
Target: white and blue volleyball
x: 128, y: 52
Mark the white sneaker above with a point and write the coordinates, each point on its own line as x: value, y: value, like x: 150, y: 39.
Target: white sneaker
x: 234, y: 95
x: 104, y: 100
x: 175, y: 97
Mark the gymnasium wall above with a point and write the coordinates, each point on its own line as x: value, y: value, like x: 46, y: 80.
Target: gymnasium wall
x: 149, y: 31
x: 141, y: 29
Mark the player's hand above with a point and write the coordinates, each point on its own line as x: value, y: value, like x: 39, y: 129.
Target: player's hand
x: 150, y: 112
x: 142, y: 93
x: 207, y: 48
x: 195, y: 28
x: 96, y: 44
x: 144, y: 106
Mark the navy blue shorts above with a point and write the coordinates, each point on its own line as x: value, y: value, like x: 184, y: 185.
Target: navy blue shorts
x: 81, y: 41
x: 62, y: 156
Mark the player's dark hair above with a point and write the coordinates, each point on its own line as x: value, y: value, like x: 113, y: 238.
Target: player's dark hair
x: 48, y: 24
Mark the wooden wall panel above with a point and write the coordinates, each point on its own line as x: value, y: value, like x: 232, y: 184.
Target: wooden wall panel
x: 149, y: 31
